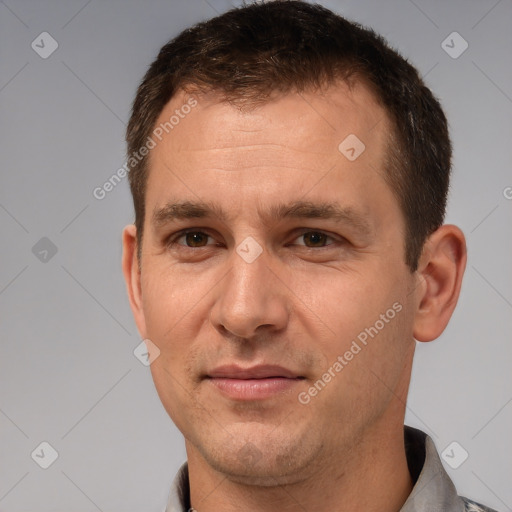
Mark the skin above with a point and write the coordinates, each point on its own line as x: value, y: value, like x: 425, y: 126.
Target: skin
x: 300, y: 304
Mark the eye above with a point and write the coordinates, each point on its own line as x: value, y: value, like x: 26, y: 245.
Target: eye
x: 313, y: 239
x: 192, y: 239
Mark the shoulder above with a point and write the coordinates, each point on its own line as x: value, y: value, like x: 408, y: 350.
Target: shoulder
x: 472, y: 506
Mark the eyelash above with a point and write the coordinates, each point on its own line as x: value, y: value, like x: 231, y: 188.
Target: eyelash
x: 172, y: 240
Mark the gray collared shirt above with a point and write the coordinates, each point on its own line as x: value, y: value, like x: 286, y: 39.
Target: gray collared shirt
x: 433, y: 490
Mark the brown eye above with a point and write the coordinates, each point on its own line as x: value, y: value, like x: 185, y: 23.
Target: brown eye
x: 195, y: 239
x: 315, y: 239
x: 189, y: 240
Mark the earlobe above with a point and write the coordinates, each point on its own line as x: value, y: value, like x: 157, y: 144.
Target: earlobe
x: 441, y: 269
x: 131, y: 272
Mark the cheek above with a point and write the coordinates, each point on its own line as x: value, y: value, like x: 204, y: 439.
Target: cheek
x: 170, y: 304
x: 370, y: 332
x: 348, y: 304
x: 172, y: 309
x: 168, y: 293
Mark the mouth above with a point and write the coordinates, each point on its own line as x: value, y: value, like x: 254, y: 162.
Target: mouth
x: 254, y: 383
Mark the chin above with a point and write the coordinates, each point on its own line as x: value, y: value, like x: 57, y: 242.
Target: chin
x: 263, y: 455
x: 266, y: 472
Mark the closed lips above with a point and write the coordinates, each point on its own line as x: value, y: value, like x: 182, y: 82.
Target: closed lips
x: 255, y: 372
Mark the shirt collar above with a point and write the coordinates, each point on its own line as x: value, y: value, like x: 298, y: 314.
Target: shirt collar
x: 433, y: 489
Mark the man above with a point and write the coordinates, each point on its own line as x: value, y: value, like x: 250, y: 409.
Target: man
x: 289, y: 174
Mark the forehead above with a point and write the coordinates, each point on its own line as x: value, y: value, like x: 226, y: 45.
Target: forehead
x: 314, y: 121
x: 278, y: 150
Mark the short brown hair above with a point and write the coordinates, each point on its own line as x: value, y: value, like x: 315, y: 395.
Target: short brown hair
x: 249, y: 53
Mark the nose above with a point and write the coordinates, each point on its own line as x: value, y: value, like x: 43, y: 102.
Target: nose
x: 252, y: 299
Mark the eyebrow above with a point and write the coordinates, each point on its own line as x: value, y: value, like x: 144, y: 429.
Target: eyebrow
x: 183, y: 210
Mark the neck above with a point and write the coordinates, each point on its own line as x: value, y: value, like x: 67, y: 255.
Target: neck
x: 373, y: 477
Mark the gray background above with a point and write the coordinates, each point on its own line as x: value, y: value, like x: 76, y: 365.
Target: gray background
x: 67, y: 369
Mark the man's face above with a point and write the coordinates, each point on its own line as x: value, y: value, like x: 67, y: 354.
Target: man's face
x: 210, y: 299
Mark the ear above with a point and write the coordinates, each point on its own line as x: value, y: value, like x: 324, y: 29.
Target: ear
x: 132, y: 277
x: 441, y: 268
